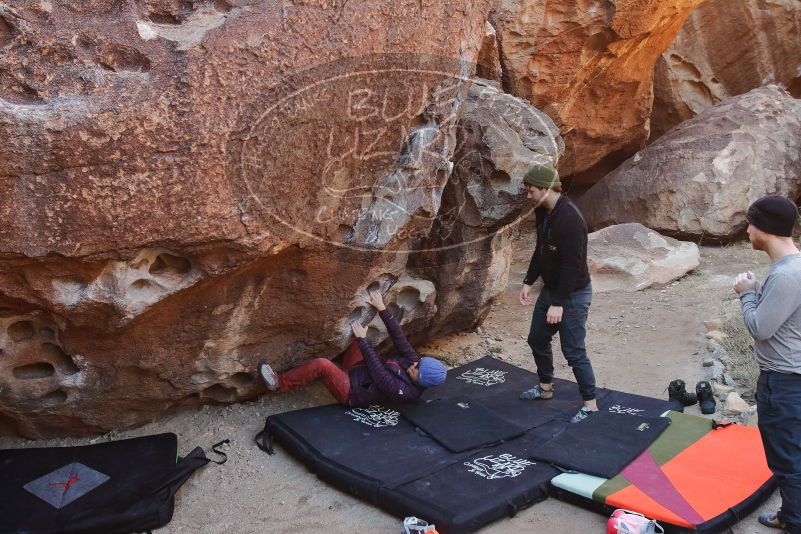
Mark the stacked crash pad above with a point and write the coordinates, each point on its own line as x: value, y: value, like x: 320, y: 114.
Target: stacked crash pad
x: 471, y: 452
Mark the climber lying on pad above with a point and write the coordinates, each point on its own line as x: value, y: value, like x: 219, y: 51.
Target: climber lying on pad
x: 365, y: 377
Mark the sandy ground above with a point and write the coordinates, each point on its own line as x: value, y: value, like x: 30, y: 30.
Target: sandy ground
x: 637, y: 342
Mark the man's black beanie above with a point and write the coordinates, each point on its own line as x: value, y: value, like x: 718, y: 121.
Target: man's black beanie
x: 774, y: 214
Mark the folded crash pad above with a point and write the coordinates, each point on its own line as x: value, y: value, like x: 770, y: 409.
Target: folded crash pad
x: 117, y: 487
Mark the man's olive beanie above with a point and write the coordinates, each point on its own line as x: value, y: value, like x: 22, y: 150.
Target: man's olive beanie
x: 543, y: 176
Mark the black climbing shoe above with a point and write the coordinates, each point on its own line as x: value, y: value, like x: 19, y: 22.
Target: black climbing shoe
x: 677, y: 391
x: 705, y: 397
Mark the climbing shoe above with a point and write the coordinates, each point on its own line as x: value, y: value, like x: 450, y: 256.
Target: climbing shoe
x: 677, y: 391
x: 537, y: 393
x: 267, y: 375
x: 705, y: 397
x: 582, y: 414
x: 771, y: 519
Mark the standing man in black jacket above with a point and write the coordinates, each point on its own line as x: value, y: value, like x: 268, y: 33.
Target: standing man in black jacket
x: 560, y: 257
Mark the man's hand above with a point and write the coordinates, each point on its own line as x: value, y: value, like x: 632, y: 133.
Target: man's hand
x: 525, y: 295
x: 376, y: 300
x: 554, y: 315
x: 745, y: 282
x: 358, y: 329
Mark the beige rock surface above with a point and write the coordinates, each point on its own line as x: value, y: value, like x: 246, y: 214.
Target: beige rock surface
x: 726, y: 48
x: 630, y: 257
x: 734, y: 404
x: 191, y: 186
x: 699, y: 179
x: 589, y: 65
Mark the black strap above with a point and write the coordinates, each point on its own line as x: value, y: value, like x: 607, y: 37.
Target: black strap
x: 181, y: 472
x: 264, y: 439
x: 716, y: 425
x: 221, y: 453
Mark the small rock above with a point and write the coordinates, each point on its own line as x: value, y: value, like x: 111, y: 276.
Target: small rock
x: 734, y: 405
x: 479, y: 331
x: 712, y: 345
x: 715, y: 372
x: 717, y: 335
x: 709, y: 361
x: 720, y: 354
x: 721, y: 391
x: 749, y: 417
x: 713, y: 324
x: 728, y: 379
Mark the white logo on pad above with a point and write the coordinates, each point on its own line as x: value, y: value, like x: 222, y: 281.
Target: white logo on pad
x: 628, y: 411
x: 483, y: 377
x: 493, y: 467
x: 375, y: 416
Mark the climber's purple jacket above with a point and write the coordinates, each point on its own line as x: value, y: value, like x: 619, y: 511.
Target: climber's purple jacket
x: 384, y: 379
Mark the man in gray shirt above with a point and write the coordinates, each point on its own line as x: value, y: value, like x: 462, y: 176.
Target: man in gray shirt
x: 772, y: 315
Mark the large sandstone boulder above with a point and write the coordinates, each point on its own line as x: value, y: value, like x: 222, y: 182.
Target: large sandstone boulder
x: 191, y: 186
x: 699, y: 179
x: 590, y: 67
x: 726, y: 48
x: 469, y: 250
x: 631, y: 257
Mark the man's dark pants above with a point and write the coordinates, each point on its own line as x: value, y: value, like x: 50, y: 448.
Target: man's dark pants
x: 572, y: 332
x: 779, y: 409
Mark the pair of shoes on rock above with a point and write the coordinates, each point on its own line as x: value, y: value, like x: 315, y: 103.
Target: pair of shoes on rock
x: 267, y: 375
x: 677, y: 391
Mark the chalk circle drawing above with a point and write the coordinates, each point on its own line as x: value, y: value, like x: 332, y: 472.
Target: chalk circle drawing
x: 383, y: 131
x: 493, y: 467
x: 374, y: 416
x: 483, y: 377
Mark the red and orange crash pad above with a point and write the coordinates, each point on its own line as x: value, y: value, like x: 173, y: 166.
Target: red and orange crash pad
x: 696, y: 477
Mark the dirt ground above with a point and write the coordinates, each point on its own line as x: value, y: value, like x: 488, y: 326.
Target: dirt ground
x: 638, y: 342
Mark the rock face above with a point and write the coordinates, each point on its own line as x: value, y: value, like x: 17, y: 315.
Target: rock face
x: 468, y: 252
x: 630, y: 257
x: 726, y: 48
x: 699, y: 179
x: 489, y: 62
x: 590, y: 67
x: 189, y: 187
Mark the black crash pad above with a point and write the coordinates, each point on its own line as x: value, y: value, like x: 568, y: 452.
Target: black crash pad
x: 117, y: 487
x: 493, y: 483
x: 498, y: 385
x: 461, y: 423
x: 602, y: 444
